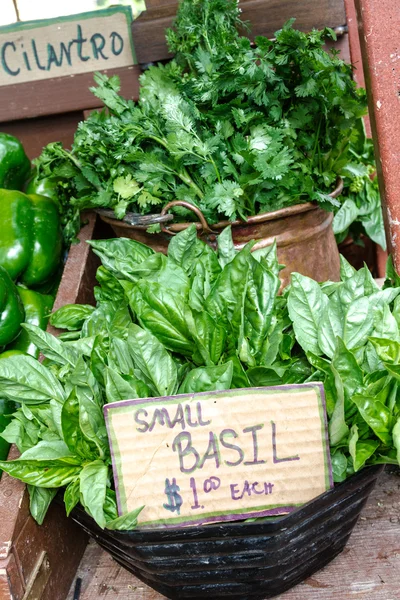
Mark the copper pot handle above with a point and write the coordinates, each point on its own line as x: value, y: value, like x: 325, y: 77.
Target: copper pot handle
x: 205, y: 226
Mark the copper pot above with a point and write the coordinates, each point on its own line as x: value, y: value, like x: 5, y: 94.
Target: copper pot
x: 303, y: 234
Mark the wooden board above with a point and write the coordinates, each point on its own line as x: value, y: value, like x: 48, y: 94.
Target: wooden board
x: 48, y: 555
x: 265, y: 17
x: 367, y: 569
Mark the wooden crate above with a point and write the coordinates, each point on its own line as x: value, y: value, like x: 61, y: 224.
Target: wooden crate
x: 39, y: 562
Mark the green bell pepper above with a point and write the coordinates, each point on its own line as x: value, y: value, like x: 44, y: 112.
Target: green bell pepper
x: 43, y: 187
x: 30, y: 236
x: 11, y: 309
x: 14, y: 164
x: 37, y: 312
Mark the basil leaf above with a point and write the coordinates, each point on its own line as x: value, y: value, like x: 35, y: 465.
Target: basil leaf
x: 72, y: 496
x: 185, y: 248
x: 48, y: 474
x: 152, y: 361
x: 125, y: 522
x: 50, y: 346
x: 262, y: 289
x: 120, y: 356
x: 346, y: 269
x: 226, y: 247
x: 396, y: 438
x: 376, y: 415
x: 207, y: 379
x: 348, y: 369
x: 124, y: 388
x: 339, y: 467
x: 71, y: 316
x: 73, y: 435
x: 338, y: 428
x: 93, y: 483
x: 263, y: 376
x: 164, y: 314
x: 24, y: 379
x: 39, y: 501
x: 360, y: 451
x: 50, y: 451
x: 121, y: 255
x: 306, y: 304
x: 111, y: 289
x: 172, y: 277
x: 210, y: 336
x: 387, y: 350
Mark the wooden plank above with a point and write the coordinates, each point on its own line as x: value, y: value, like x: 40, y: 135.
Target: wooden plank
x: 60, y: 95
x: 379, y: 23
x: 265, y: 17
x: 37, y: 133
x: 367, y: 569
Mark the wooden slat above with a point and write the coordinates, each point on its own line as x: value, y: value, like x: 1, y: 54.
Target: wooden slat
x: 37, y: 133
x: 60, y: 95
x: 265, y: 16
x: 367, y: 569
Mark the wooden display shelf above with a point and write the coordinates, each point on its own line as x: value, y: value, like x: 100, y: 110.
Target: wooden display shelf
x: 39, y: 562
x: 367, y: 569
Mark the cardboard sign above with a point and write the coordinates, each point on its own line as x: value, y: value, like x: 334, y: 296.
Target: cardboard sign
x: 219, y: 456
x: 93, y: 41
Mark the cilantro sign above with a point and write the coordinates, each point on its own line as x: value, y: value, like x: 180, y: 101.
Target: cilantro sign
x: 66, y: 46
x: 219, y: 456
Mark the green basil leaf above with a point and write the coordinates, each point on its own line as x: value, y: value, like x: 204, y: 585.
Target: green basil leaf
x: 111, y: 289
x: 50, y: 451
x: 120, y: 357
x: 185, y: 248
x: 48, y: 474
x: 306, y: 304
x: 207, y: 379
x: 262, y: 289
x: 345, y: 216
x: 71, y: 316
x: 346, y: 269
x: 338, y: 428
x: 165, y: 315
x: 124, y: 388
x: 121, y: 255
x: 339, y: 467
x: 24, y: 379
x: 263, y: 376
x: 210, y: 336
x: 93, y: 483
x: 387, y: 350
x: 376, y: 415
x: 50, y: 346
x: 385, y: 325
x: 125, y: 522
x: 39, y: 501
x: 348, y: 369
x: 226, y: 247
x: 360, y: 450
x: 73, y: 435
x: 72, y: 496
x: 172, y: 277
x: 152, y: 361
x: 396, y: 439
x: 239, y: 376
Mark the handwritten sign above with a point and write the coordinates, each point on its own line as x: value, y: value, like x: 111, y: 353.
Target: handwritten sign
x: 219, y: 456
x: 66, y: 46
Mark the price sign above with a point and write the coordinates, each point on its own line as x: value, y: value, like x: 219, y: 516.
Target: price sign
x: 219, y: 456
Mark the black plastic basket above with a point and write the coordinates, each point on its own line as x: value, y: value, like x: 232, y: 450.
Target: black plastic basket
x: 243, y: 561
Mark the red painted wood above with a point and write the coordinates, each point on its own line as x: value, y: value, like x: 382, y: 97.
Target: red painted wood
x: 379, y: 23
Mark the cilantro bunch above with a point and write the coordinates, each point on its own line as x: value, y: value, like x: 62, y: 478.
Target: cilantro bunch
x: 233, y: 128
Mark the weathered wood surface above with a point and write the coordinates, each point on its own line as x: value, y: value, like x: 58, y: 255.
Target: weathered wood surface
x: 265, y: 17
x: 368, y: 568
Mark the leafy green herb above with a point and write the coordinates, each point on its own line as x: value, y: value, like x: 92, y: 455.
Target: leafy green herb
x: 180, y: 328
